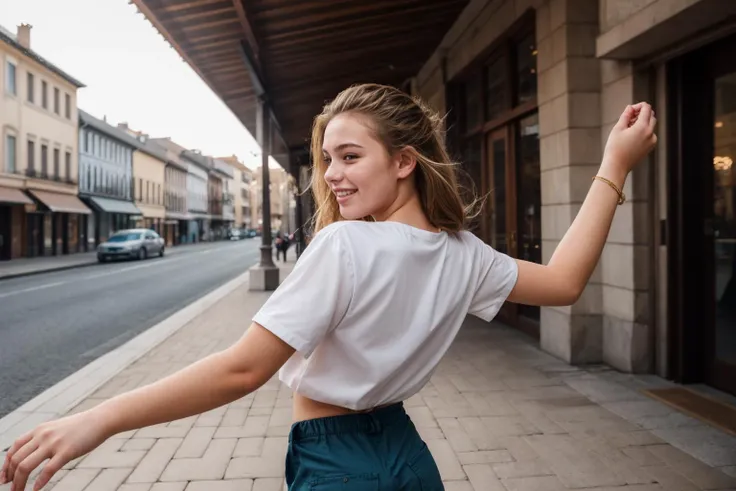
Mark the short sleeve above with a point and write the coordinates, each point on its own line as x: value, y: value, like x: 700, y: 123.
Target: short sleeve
x: 497, y: 277
x: 315, y: 296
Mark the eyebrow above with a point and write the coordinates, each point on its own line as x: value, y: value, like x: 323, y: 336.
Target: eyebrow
x: 343, y: 146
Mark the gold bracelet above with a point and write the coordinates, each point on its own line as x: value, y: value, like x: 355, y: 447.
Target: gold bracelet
x: 621, y: 195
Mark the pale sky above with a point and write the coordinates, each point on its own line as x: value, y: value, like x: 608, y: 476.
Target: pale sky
x: 131, y: 73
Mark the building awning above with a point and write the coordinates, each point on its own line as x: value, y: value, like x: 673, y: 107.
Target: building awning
x: 16, y: 196
x: 61, y: 203
x: 109, y: 205
x: 177, y: 216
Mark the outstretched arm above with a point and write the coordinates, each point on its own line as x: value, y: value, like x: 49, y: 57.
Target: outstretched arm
x: 562, y: 281
x: 213, y: 381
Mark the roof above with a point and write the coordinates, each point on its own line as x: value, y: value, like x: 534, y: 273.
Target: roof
x: 9, y: 38
x: 304, y: 53
x: 108, y: 129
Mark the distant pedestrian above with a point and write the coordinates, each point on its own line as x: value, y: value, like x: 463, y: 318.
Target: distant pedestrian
x: 282, y: 245
x: 371, y: 306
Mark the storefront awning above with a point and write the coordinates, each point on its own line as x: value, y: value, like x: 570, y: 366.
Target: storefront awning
x: 109, y: 205
x: 177, y: 216
x: 61, y: 203
x: 15, y: 196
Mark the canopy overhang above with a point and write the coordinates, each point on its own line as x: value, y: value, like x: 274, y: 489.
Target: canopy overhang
x: 296, y: 55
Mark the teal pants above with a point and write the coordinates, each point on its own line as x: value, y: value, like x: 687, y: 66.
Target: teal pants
x: 379, y: 450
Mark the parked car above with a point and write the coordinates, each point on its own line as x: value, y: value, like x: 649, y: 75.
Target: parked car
x: 235, y: 234
x: 135, y: 243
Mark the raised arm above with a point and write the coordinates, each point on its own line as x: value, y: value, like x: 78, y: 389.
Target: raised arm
x: 562, y: 281
x: 213, y: 381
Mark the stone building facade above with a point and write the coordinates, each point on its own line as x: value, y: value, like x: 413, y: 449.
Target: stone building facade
x: 532, y: 89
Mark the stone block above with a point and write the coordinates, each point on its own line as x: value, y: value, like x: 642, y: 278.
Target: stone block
x: 626, y: 345
x: 615, y: 97
x: 584, y: 146
x: 613, y: 70
x: 565, y: 185
x: 543, y: 22
x: 263, y: 278
x: 576, y: 338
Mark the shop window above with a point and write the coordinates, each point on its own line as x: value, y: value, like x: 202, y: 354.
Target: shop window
x: 526, y: 69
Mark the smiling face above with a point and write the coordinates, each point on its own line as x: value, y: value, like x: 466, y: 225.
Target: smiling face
x: 363, y: 176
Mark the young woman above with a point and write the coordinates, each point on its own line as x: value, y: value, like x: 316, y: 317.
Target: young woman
x: 372, y: 305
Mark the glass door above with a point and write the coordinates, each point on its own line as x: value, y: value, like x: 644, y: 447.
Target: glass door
x: 529, y: 207
x: 721, y: 232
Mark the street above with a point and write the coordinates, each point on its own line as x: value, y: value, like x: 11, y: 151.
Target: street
x: 53, y: 324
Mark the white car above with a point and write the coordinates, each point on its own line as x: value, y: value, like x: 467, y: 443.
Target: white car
x: 138, y: 243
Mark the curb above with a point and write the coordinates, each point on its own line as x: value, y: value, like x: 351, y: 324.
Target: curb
x: 48, y: 270
x: 58, y: 399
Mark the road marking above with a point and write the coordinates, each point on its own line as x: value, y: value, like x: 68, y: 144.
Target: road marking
x: 166, y: 260
x: 32, y: 289
x: 132, y: 268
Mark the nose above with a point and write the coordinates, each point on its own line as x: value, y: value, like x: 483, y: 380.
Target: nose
x: 333, y: 174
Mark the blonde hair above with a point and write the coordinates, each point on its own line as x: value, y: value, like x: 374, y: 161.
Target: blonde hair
x: 399, y: 121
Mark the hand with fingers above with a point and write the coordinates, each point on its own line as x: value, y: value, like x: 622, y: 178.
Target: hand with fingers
x: 631, y: 139
x: 59, y: 442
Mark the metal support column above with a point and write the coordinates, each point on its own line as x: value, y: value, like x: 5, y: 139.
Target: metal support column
x: 265, y: 275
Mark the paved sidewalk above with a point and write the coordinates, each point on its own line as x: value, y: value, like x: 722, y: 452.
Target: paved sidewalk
x: 34, y: 265
x: 498, y: 415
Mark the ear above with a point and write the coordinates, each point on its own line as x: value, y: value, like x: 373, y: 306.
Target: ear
x: 406, y: 161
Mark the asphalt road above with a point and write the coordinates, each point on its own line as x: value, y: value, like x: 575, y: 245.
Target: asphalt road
x: 53, y: 324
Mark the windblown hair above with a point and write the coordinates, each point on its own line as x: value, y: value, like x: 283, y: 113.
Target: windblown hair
x: 400, y: 122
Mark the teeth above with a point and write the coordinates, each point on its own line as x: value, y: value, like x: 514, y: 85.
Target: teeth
x: 342, y: 194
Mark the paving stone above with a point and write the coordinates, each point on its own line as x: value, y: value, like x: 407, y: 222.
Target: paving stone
x: 76, y: 480
x: 422, y: 417
x: 108, y: 479
x: 531, y: 468
x: 696, y: 471
x: 155, y: 461
x: 135, y: 487
x: 138, y: 444
x: 269, y: 484
x: 446, y: 460
x: 534, y: 483
x: 234, y: 416
x: 484, y: 457
x: 456, y: 435
x: 458, y: 486
x: 575, y: 467
x: 482, y: 477
x: 231, y: 485
x: 195, y: 443
x: 169, y: 486
x: 109, y: 455
x: 480, y: 434
x: 249, y: 447
x: 210, y: 466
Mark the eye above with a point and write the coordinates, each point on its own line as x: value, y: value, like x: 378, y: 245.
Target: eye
x: 327, y: 159
x: 350, y: 156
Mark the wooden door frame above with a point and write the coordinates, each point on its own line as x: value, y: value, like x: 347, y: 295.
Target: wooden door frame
x: 691, y: 290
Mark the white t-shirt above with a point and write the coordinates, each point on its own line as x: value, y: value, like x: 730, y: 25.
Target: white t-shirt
x: 371, y: 308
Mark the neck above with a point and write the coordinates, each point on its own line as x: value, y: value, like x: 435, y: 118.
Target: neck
x: 409, y: 212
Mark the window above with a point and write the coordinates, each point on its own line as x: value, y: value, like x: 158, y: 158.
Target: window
x: 68, y: 166
x: 86, y: 141
x: 526, y: 69
x: 56, y: 100
x: 10, y: 153
x: 31, y: 87
x: 31, y: 156
x: 148, y: 191
x: 10, y: 82
x: 67, y: 106
x: 57, y: 154
x: 44, y: 160
x: 44, y: 94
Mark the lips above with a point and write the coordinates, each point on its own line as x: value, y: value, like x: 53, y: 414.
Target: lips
x: 342, y: 195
